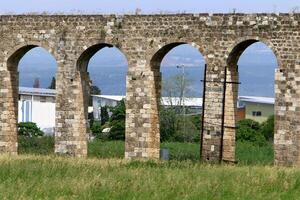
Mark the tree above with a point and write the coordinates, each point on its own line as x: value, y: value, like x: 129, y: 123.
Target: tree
x: 95, y: 90
x: 174, y: 88
x: 29, y: 129
x: 174, y: 124
x: 52, y: 84
x: 117, y: 122
x: 250, y: 131
x: 36, y: 83
x: 104, y: 115
x: 267, y: 128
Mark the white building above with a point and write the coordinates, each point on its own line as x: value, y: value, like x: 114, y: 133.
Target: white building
x: 193, y: 105
x: 37, y: 105
x: 102, y: 101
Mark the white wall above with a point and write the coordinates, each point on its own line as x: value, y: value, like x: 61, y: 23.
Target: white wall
x: 43, y: 114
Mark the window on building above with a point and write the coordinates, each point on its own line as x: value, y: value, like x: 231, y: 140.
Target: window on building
x: 256, y: 113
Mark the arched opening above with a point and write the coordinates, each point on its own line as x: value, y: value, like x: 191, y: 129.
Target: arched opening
x: 178, y: 70
x: 32, y: 83
x: 103, y: 69
x: 251, y: 71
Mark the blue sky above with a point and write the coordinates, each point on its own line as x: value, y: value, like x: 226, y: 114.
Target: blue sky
x: 147, y: 6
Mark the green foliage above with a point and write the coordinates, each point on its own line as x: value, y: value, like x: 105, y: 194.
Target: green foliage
x: 117, y: 131
x: 29, y: 129
x: 186, y: 130
x: 96, y: 129
x: 36, y: 145
x: 196, y: 120
x: 117, y: 122
x: 267, y: 128
x: 118, y: 112
x: 178, y: 128
x: 167, y: 124
x: 104, y: 115
x: 249, y: 130
x: 95, y: 90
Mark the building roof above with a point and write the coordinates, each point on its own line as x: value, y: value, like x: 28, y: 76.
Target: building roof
x: 196, y: 102
x: 111, y: 97
x: 191, y: 102
x: 37, y: 91
x: 254, y: 99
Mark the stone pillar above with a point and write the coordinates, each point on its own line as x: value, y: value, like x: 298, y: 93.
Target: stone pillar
x: 142, y: 138
x: 212, y: 120
x: 8, y: 111
x: 71, y: 115
x: 287, y: 120
x: 231, y: 97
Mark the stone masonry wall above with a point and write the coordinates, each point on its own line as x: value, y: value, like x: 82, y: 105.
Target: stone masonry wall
x: 140, y: 38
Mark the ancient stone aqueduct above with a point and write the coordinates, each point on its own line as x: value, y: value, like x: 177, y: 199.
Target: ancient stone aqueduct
x: 144, y: 40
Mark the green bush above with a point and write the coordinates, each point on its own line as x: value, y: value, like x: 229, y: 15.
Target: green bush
x: 29, y: 129
x: 117, y: 131
x: 267, y: 128
x: 96, y: 128
x: 117, y: 122
x: 104, y: 115
x: 250, y: 131
x: 167, y: 124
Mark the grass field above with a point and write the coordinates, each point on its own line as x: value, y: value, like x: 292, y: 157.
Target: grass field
x: 246, y: 153
x: 50, y: 177
x: 105, y: 175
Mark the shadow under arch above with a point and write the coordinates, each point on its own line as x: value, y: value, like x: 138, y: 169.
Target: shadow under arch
x: 230, y: 97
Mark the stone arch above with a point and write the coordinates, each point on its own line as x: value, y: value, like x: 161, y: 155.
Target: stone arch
x: 84, y: 58
x: 161, y: 50
x: 155, y: 65
x: 11, y: 84
x: 231, y: 93
x: 235, y: 50
x: 84, y: 81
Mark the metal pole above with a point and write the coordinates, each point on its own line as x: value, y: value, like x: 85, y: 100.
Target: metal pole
x: 223, y: 113
x: 183, y: 94
x: 203, y: 109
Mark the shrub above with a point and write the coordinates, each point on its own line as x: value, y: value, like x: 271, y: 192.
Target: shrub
x: 96, y: 128
x: 167, y: 124
x: 117, y: 131
x: 29, y: 129
x: 104, y: 115
x: 249, y: 130
x: 267, y: 128
x: 117, y: 122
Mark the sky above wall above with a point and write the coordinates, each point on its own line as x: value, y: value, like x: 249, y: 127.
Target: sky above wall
x: 147, y: 6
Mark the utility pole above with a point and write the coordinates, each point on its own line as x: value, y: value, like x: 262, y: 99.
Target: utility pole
x: 183, y: 93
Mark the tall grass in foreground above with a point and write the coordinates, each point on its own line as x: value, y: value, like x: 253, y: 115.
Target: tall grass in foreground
x: 50, y: 177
